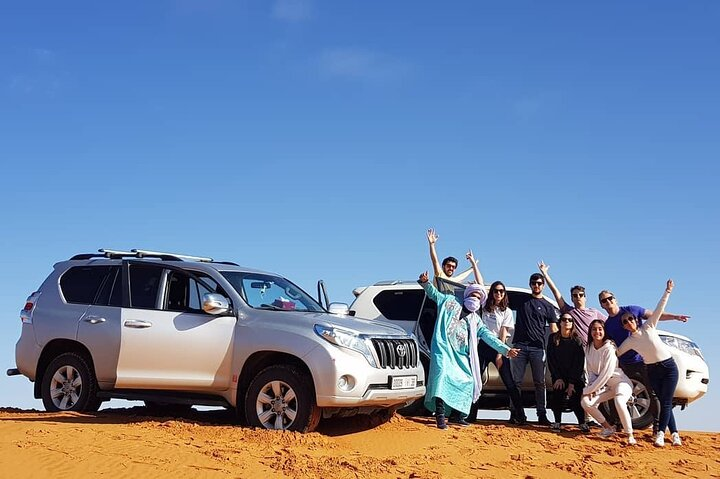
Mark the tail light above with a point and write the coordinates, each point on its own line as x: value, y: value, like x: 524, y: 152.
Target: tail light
x: 27, y: 311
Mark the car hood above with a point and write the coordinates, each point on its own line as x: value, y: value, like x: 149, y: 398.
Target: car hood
x: 358, y: 325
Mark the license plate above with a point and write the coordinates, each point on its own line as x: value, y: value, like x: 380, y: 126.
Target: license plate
x: 403, y: 382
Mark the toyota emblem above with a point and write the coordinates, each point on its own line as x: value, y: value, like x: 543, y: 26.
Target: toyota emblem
x: 400, y: 348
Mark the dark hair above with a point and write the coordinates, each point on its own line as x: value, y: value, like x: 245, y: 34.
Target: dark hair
x: 450, y: 259
x: 573, y: 334
x: 537, y: 276
x: 490, y: 303
x: 578, y: 287
x: 590, y: 326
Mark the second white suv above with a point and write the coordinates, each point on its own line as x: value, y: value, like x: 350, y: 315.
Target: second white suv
x: 405, y: 304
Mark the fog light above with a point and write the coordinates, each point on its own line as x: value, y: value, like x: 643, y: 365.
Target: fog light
x: 346, y: 383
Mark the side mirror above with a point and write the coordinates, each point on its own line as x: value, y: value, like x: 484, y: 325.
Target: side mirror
x: 216, y: 304
x: 341, y: 309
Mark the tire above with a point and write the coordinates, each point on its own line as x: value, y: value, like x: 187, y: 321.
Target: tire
x: 282, y: 397
x: 69, y: 384
x: 639, y: 407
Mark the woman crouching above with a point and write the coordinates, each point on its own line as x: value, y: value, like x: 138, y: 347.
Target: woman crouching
x: 606, y: 381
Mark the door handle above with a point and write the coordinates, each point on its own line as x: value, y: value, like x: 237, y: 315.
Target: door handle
x: 94, y: 319
x: 137, y: 324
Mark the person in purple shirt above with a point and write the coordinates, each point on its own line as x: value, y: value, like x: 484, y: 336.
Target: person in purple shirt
x: 631, y: 362
x: 581, y: 314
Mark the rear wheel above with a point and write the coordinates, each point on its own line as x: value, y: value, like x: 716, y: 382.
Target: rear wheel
x: 282, y: 397
x: 639, y: 406
x: 69, y: 384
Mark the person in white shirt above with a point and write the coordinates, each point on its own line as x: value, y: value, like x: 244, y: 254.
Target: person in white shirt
x: 605, y: 381
x: 662, y: 370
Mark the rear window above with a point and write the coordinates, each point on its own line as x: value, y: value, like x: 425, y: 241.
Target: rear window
x: 400, y: 305
x: 80, y: 284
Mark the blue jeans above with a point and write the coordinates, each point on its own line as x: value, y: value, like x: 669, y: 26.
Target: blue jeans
x: 664, y: 379
x: 536, y: 357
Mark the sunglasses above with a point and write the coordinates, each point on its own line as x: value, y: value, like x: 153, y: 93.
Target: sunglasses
x: 537, y: 283
x: 607, y: 300
x: 628, y: 319
x: 578, y: 295
x: 499, y: 291
x: 567, y: 320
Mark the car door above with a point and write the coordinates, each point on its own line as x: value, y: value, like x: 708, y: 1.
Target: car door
x: 168, y: 342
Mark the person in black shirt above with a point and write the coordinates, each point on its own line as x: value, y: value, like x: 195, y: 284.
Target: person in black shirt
x: 533, y: 314
x: 566, y: 361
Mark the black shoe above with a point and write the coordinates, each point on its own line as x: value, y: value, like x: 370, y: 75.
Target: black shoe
x: 543, y: 420
x: 460, y: 421
x: 518, y: 420
x: 440, y: 420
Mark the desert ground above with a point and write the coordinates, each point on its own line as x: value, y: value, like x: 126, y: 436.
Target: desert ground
x: 208, y: 444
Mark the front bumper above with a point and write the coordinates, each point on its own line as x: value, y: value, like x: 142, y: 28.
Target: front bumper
x: 366, y: 386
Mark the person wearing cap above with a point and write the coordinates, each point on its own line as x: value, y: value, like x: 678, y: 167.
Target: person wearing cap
x: 454, y: 381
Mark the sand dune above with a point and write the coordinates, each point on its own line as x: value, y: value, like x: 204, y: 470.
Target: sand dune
x: 122, y: 443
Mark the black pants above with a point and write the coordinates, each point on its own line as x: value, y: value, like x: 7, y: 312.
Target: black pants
x: 559, y: 402
x: 487, y: 355
x: 639, y: 372
x: 440, y: 410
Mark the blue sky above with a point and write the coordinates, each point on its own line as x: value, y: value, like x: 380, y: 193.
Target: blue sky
x: 321, y: 139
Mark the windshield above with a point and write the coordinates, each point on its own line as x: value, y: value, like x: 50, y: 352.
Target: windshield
x: 264, y: 291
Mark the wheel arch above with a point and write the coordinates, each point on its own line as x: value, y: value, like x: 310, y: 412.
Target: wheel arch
x: 256, y: 363
x: 52, y: 350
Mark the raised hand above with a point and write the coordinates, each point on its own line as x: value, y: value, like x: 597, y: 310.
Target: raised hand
x: 670, y: 285
x: 470, y: 257
x: 432, y: 236
x: 543, y: 267
x: 424, y: 277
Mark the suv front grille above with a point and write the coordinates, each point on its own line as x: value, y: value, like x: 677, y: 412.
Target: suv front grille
x: 396, y: 353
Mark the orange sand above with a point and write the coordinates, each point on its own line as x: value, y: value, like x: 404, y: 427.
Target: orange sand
x: 125, y: 443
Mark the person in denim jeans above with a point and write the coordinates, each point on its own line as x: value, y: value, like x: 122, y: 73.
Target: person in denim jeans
x: 660, y: 364
x: 533, y: 314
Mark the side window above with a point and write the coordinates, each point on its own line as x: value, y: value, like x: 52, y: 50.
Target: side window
x: 400, y: 305
x: 184, y: 293
x: 111, y: 291
x: 144, y: 284
x: 80, y: 284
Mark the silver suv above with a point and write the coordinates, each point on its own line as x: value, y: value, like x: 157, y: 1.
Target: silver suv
x: 181, y: 330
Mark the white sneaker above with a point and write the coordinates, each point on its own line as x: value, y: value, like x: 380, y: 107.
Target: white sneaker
x: 676, y: 441
x: 607, y: 432
x: 631, y: 440
x: 660, y: 439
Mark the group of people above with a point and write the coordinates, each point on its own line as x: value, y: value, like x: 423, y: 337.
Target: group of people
x: 591, y: 357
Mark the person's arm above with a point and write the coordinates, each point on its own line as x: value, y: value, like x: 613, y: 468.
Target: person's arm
x: 660, y: 308
x: 473, y: 264
x: 552, y: 359
x: 553, y: 318
x: 431, y: 291
x: 544, y: 269
x: 432, y: 238
x: 491, y: 340
x: 624, y: 347
x: 578, y: 365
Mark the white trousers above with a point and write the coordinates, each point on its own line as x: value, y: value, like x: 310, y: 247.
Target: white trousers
x: 621, y: 393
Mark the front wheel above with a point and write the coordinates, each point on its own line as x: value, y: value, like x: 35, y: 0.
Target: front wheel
x: 282, y: 397
x: 69, y: 384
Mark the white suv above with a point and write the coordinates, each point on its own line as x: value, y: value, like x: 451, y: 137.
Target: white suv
x: 405, y: 304
x: 173, y: 329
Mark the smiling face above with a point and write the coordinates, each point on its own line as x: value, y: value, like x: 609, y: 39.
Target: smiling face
x: 597, y: 332
x: 608, y: 303
x: 566, y: 324
x: 449, y: 268
x: 578, y: 297
x: 629, y: 322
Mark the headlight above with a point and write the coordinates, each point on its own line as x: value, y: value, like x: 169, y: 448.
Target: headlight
x: 683, y: 345
x: 345, y: 339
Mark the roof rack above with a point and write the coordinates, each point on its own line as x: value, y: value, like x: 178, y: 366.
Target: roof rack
x: 140, y: 253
